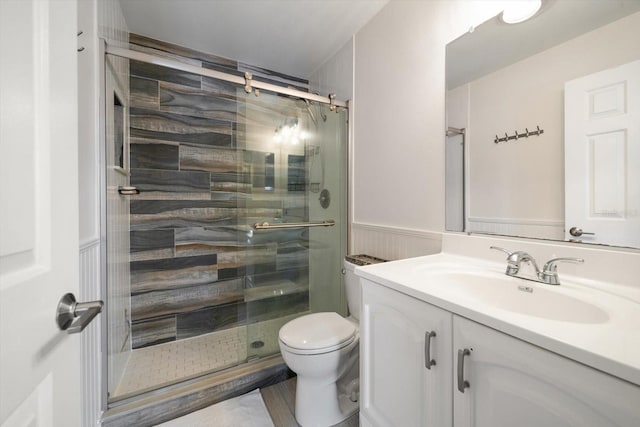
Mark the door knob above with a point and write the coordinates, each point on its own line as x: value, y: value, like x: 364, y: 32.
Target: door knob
x: 72, y: 316
x: 577, y: 232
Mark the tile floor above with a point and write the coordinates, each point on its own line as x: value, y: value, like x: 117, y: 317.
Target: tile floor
x: 271, y: 406
x: 280, y: 401
x: 163, y: 364
x: 248, y: 410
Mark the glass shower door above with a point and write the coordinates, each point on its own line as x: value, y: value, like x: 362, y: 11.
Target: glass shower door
x: 198, y: 288
x: 293, y: 267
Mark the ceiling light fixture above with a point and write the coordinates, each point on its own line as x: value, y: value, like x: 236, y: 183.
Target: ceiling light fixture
x: 520, y: 10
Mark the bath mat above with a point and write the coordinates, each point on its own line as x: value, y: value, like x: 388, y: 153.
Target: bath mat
x: 247, y: 410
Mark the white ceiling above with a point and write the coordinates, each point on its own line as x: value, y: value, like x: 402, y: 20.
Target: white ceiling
x: 494, y: 44
x: 290, y: 36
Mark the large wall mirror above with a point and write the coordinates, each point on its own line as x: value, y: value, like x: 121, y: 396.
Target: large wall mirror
x: 543, y: 125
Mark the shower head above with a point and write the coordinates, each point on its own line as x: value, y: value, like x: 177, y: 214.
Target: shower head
x: 324, y: 116
x: 307, y: 105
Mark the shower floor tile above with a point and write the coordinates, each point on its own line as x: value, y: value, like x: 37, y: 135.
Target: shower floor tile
x: 152, y: 367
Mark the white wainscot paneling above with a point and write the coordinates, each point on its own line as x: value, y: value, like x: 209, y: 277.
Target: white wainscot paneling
x: 90, y: 337
x: 393, y: 242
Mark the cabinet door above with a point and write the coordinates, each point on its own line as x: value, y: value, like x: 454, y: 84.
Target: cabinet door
x: 513, y: 383
x: 397, y: 388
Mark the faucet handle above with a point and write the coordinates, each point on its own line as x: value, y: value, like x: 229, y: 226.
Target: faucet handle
x: 549, y: 273
x: 501, y: 249
x: 513, y: 263
x: 551, y: 265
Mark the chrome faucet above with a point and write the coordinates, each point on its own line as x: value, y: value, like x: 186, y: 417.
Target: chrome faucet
x: 549, y: 273
x: 514, y: 259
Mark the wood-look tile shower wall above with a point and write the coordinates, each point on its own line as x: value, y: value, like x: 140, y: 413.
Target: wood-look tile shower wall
x: 192, y: 254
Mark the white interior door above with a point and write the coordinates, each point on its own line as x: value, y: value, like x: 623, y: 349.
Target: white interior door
x: 602, y: 156
x: 39, y: 364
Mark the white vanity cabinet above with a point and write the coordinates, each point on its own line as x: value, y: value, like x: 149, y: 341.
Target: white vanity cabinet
x: 400, y: 335
x: 513, y: 383
x: 500, y: 381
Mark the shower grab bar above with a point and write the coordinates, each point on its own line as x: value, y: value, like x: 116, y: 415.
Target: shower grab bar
x: 267, y: 226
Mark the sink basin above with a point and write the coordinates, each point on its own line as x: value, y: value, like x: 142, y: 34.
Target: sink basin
x: 520, y: 296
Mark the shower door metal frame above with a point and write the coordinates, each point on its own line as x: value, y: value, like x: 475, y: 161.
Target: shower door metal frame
x: 102, y: 159
x: 247, y: 82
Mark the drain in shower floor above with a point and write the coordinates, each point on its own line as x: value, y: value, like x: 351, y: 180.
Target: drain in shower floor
x: 257, y: 344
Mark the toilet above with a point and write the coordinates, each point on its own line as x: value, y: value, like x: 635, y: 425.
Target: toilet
x: 322, y: 349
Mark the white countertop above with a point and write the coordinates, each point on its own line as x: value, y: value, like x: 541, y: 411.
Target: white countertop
x: 612, y: 346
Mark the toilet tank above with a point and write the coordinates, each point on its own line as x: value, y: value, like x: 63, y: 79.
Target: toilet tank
x: 352, y: 282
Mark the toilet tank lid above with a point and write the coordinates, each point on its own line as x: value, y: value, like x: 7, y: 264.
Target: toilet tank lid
x: 316, y: 331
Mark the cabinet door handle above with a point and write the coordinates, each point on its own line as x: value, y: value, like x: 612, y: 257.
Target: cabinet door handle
x: 428, y: 361
x: 462, y: 383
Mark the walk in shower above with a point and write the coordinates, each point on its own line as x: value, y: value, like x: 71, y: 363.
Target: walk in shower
x: 226, y: 213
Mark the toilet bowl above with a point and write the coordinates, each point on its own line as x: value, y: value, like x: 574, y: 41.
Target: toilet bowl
x: 328, y: 350
x: 323, y: 350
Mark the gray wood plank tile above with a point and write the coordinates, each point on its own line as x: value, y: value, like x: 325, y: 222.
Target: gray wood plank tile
x: 144, y: 93
x: 151, y: 239
x: 148, y: 207
x: 164, y: 54
x: 220, y: 87
x: 221, y: 139
x: 188, y: 239
x: 153, y: 332
x: 211, y: 159
x: 158, y: 72
x: 153, y: 156
x: 275, y: 400
x: 280, y: 402
x: 272, y: 308
x: 174, y: 49
x: 162, y: 303
x: 198, y: 103
x: 145, y: 123
x: 200, y: 322
x: 184, y: 217
x: 151, y: 244
x: 153, y: 254
x: 171, y: 181
x: 171, y: 273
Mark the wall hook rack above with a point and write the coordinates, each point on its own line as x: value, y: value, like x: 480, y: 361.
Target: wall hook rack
x: 527, y: 133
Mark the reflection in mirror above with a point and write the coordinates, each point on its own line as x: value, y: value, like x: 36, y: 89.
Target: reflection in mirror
x: 572, y: 72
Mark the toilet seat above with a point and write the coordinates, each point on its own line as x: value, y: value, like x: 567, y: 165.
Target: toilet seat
x: 317, y: 333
